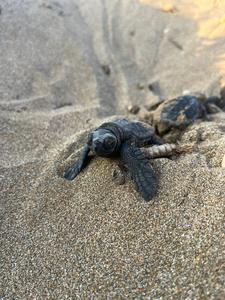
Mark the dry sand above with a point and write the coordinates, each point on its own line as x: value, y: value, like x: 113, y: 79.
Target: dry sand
x: 65, y: 67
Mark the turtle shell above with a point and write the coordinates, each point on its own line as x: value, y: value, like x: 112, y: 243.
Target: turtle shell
x: 178, y: 113
x: 140, y: 133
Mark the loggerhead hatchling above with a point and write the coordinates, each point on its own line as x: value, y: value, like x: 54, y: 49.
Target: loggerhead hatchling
x: 121, y: 139
x: 180, y: 112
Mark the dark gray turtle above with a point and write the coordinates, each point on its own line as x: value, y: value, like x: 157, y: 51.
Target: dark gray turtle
x: 180, y: 112
x: 121, y: 139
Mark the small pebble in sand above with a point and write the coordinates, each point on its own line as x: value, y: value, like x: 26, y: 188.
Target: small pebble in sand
x: 186, y: 92
x: 106, y: 69
x: 166, y: 30
x: 133, y: 109
x: 140, y: 86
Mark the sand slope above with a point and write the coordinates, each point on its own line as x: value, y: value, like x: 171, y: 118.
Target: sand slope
x: 66, y: 66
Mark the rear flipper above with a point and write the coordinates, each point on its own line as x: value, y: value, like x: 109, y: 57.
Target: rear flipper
x: 76, y: 168
x: 141, y: 170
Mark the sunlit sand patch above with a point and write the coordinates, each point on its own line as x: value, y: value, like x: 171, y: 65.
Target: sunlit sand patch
x: 212, y: 28
x: 209, y: 16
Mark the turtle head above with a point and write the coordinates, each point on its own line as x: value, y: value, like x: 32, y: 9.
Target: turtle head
x: 103, y: 142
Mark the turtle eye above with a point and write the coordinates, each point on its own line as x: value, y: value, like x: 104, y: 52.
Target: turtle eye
x: 109, y: 142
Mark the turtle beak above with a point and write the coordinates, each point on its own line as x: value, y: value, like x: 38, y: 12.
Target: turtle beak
x: 97, y: 145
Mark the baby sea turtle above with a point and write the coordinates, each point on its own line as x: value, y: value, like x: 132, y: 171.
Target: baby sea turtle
x: 122, y: 139
x: 180, y: 112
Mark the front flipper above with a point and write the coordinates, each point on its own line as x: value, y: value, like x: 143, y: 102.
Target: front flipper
x: 75, y: 169
x: 141, y: 170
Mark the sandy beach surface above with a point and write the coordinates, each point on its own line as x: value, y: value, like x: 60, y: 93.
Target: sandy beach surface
x: 67, y: 66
